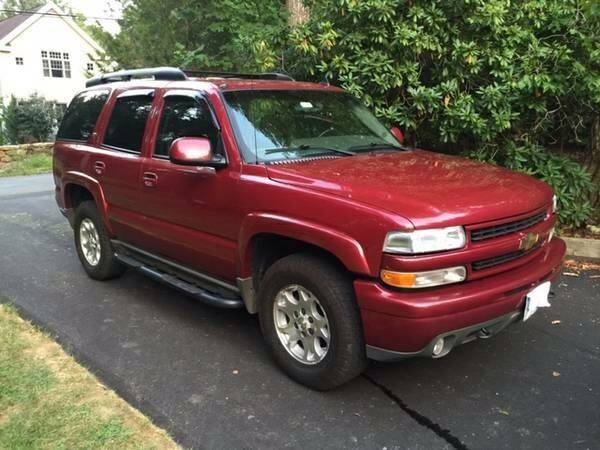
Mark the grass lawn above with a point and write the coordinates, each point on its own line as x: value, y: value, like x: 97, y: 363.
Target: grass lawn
x: 48, y: 401
x: 24, y: 164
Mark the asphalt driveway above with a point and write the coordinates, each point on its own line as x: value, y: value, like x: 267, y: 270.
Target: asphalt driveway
x: 204, y: 373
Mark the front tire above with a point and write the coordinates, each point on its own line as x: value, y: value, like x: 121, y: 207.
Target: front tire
x: 311, y: 322
x: 93, y: 244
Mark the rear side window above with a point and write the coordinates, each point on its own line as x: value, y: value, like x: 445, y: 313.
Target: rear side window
x: 80, y: 119
x: 127, y: 123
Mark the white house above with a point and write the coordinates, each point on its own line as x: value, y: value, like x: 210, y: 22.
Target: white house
x: 46, y: 52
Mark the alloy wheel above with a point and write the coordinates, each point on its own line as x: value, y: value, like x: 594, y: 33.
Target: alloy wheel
x: 301, y: 324
x: 89, y: 240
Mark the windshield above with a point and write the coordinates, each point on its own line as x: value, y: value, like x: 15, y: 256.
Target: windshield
x: 280, y: 124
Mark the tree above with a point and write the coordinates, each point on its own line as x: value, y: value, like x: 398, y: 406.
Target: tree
x: 480, y: 77
x: 17, y: 5
x: 214, y: 34
x: 23, y: 5
x: 298, y: 12
x: 2, y: 132
x: 29, y: 120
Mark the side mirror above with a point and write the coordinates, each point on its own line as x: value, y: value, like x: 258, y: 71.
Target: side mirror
x: 194, y: 151
x: 398, y: 134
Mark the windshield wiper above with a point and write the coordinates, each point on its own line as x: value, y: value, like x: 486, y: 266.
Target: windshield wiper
x: 307, y: 147
x: 376, y: 146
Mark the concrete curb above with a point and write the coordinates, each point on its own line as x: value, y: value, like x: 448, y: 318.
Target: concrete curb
x: 587, y: 248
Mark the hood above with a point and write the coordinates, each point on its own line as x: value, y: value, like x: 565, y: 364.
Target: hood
x: 429, y: 189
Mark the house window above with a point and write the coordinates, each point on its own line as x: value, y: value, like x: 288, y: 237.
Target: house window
x: 90, y: 67
x: 56, y: 64
x: 19, y: 61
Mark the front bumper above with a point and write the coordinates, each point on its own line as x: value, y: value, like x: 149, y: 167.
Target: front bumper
x: 407, y: 323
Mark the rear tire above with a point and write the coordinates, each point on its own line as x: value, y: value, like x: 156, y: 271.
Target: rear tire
x: 93, y: 244
x: 311, y: 322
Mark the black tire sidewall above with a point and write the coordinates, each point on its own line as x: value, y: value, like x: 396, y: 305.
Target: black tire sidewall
x: 268, y: 327
x: 346, y: 354
x: 108, y: 266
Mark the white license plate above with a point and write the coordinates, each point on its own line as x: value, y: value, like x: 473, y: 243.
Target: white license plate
x: 537, y: 298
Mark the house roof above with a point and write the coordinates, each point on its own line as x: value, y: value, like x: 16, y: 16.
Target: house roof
x: 15, y: 25
x: 9, y: 24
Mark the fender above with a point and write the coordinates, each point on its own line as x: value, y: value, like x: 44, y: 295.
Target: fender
x: 344, y: 247
x: 92, y: 185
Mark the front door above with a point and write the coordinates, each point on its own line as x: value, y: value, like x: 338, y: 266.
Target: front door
x: 188, y: 214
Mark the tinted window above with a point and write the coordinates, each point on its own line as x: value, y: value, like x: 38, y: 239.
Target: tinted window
x: 278, y: 124
x: 80, y: 119
x: 184, y: 117
x: 127, y: 123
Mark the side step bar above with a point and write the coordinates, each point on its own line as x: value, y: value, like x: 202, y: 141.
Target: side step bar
x: 188, y: 282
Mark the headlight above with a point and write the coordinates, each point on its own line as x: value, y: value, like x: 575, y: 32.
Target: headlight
x: 554, y: 204
x: 424, y: 241
x: 431, y: 278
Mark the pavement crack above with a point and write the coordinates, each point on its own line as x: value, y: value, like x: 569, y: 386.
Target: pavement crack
x: 426, y: 422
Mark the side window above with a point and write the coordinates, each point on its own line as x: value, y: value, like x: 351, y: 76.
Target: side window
x: 184, y: 117
x: 127, y: 123
x: 80, y: 119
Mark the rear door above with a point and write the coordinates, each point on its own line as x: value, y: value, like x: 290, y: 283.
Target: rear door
x: 117, y: 163
x: 189, y: 214
x: 74, y: 145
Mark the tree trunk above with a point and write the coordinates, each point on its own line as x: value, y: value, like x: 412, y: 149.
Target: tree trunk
x: 592, y: 161
x: 298, y: 12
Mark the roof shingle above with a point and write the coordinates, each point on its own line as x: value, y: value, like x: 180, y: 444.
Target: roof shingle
x: 9, y: 24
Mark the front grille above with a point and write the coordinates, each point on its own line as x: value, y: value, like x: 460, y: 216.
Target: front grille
x: 506, y: 228
x: 496, y: 260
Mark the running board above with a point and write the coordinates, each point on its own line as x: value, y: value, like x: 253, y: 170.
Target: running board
x: 188, y: 286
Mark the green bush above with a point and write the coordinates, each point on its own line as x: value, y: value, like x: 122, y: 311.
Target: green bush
x: 464, y: 76
x: 2, y: 137
x: 465, y: 72
x: 29, y: 120
x: 571, y: 182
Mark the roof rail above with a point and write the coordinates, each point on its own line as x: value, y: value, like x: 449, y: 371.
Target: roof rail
x: 250, y: 76
x: 158, y: 73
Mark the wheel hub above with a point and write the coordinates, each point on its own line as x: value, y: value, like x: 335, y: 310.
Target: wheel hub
x: 89, y: 240
x: 301, y: 324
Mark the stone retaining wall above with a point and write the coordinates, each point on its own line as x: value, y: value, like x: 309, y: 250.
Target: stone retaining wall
x: 8, y: 152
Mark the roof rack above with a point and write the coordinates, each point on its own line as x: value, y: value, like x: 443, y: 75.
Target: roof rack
x: 175, y: 74
x: 249, y: 76
x: 158, y: 73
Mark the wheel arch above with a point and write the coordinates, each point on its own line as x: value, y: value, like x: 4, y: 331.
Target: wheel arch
x: 284, y: 235
x: 78, y: 187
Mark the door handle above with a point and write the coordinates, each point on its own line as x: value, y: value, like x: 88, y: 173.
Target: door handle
x: 150, y: 179
x: 99, y: 167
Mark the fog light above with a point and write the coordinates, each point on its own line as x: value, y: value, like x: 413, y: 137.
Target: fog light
x: 438, y: 347
x: 424, y: 279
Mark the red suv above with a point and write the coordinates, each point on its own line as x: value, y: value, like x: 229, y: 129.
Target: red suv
x: 292, y: 200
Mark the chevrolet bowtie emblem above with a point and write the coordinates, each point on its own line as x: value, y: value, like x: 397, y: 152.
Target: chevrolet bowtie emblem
x: 528, y: 241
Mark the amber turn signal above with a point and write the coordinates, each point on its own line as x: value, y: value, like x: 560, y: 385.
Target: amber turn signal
x: 424, y: 279
x: 398, y: 279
